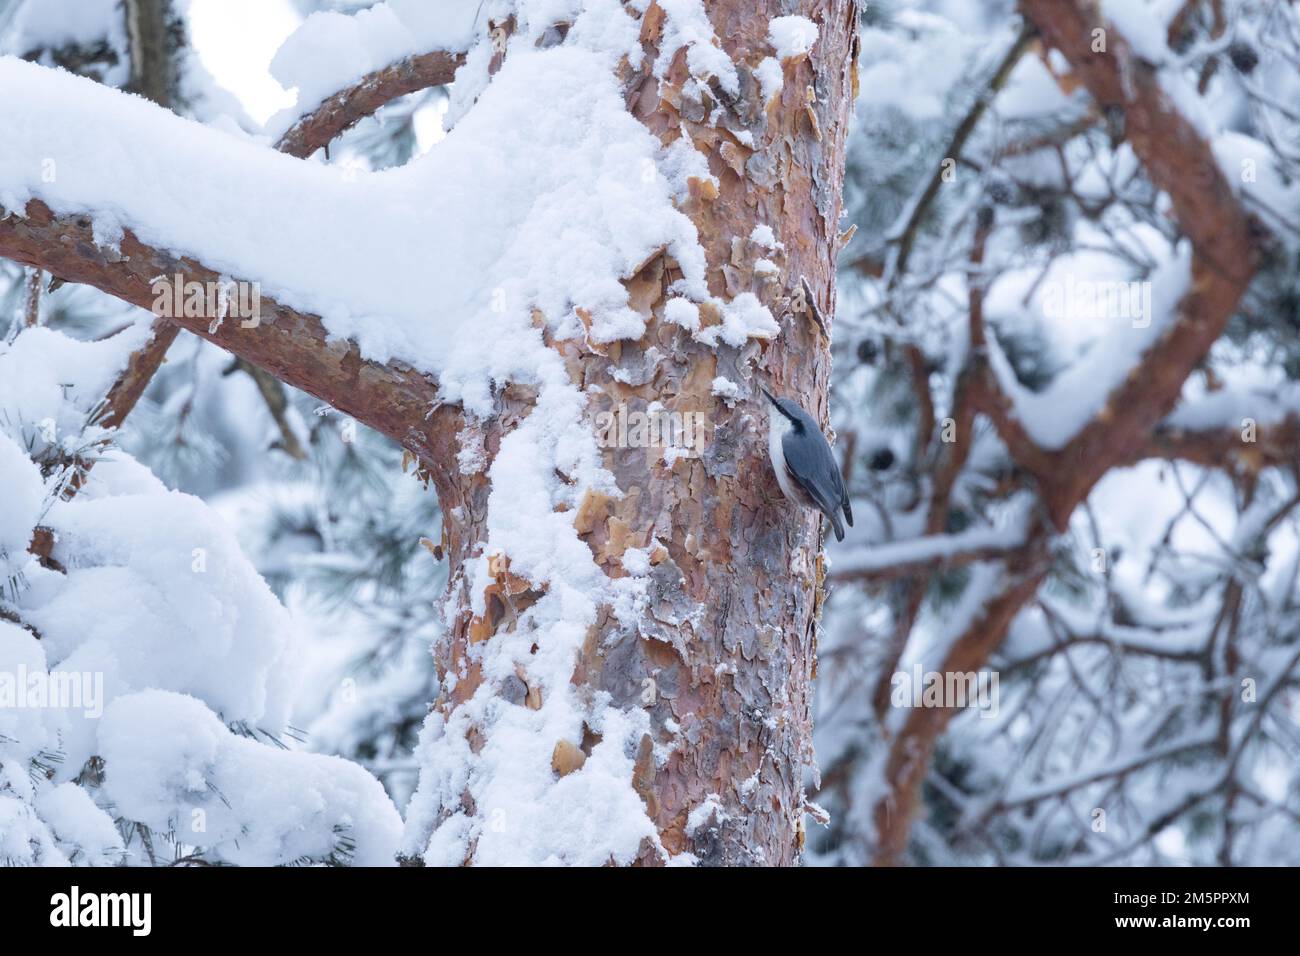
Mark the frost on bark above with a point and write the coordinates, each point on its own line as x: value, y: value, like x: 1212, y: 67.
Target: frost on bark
x: 723, y: 658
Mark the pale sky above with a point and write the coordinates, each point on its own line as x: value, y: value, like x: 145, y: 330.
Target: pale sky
x: 236, y: 40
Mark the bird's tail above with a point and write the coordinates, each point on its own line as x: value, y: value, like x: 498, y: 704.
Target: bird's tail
x: 836, y: 524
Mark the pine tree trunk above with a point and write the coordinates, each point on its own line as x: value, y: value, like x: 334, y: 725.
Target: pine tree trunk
x: 723, y: 659
x: 718, y: 668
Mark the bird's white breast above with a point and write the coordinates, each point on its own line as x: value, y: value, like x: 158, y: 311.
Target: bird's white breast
x: 777, y: 427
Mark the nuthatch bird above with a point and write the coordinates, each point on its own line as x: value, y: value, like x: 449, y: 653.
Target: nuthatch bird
x: 805, y: 468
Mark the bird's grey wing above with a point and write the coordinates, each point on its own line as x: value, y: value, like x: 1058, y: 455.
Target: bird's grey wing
x: 819, y: 475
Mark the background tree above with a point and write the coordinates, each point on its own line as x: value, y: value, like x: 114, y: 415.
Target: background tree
x: 1065, y: 492
x: 581, y: 656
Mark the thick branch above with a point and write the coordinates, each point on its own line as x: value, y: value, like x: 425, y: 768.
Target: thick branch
x: 1179, y: 161
x: 393, y: 399
x: 341, y: 111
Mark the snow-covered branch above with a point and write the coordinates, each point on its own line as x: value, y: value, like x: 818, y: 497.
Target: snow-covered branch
x: 390, y: 397
x: 347, y: 107
x: 1179, y: 160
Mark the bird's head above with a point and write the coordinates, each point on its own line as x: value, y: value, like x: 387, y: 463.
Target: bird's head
x: 788, y: 409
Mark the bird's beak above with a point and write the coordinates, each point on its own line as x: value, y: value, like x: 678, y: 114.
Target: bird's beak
x: 770, y: 397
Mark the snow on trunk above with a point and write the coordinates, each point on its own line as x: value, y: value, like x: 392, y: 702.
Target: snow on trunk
x: 626, y: 672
